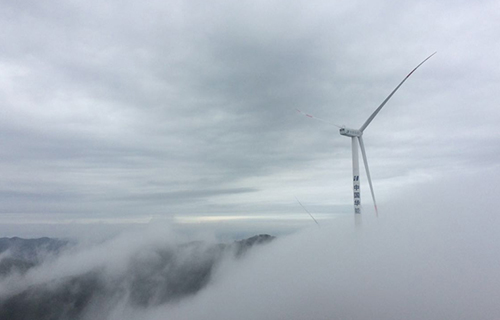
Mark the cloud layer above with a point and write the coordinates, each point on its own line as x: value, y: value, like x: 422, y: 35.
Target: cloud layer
x: 427, y: 256
x: 52, y: 279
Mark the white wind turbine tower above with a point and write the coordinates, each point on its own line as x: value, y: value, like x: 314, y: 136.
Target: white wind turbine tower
x: 357, y: 137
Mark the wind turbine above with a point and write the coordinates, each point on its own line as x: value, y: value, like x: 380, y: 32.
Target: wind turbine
x: 356, y: 136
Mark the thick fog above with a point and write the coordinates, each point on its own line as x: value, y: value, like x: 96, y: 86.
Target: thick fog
x: 423, y: 267
x: 424, y: 257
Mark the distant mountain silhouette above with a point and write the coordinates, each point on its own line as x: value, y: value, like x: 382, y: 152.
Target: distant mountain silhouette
x: 19, y: 255
x: 163, y: 275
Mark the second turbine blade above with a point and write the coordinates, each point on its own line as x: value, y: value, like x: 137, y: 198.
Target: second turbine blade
x: 365, y: 161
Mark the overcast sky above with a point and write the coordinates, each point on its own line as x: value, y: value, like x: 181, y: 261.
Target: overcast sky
x: 130, y: 110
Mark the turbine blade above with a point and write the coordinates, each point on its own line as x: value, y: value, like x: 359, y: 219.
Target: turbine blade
x: 307, y: 211
x: 363, y: 127
x: 362, y: 146
x: 313, y: 117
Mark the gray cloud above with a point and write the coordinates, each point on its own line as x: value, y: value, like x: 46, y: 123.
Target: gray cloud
x: 143, y: 102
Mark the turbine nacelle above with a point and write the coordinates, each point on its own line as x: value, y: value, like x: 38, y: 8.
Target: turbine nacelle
x: 350, y: 132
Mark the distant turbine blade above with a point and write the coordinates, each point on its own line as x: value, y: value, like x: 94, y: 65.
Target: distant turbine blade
x: 362, y: 146
x: 307, y: 211
x: 313, y: 117
x: 363, y: 127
